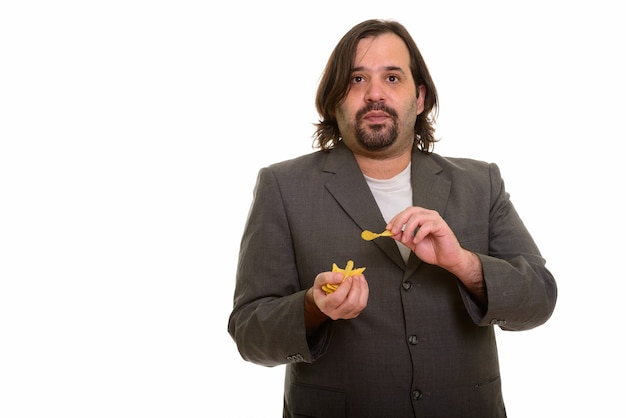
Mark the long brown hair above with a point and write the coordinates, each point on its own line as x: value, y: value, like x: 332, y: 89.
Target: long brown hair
x: 335, y: 84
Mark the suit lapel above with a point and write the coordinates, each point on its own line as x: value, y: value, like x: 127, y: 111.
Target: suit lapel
x: 430, y: 190
x: 349, y: 188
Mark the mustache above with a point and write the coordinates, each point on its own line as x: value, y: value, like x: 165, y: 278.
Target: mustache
x: 379, y: 106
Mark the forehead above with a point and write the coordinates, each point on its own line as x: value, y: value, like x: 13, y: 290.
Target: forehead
x: 384, y: 50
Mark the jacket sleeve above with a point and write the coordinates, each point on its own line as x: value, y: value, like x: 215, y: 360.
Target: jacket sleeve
x: 521, y: 291
x: 267, y: 320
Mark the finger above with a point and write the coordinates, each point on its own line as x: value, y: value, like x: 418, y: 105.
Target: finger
x: 436, y: 227
x: 421, y: 232
x: 413, y: 225
x: 342, y: 291
x: 361, y: 296
x: 357, y: 297
x: 397, y: 223
x: 346, y: 293
x: 364, y: 293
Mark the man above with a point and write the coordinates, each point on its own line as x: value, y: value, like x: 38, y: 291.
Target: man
x: 412, y: 335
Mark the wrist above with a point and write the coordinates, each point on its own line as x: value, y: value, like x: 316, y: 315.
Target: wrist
x: 313, y: 316
x: 470, y: 273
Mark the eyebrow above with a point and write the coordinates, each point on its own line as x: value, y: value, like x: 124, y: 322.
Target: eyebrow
x: 387, y: 68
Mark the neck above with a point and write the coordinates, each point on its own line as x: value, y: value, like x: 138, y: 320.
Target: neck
x: 383, y: 168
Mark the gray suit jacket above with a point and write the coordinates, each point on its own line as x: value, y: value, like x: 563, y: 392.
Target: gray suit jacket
x: 422, y: 347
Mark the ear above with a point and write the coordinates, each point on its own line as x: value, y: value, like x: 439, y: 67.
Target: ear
x: 421, y: 91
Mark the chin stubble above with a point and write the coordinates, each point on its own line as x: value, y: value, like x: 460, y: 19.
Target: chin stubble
x: 376, y: 137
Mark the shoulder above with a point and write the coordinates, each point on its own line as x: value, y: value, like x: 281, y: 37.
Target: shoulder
x: 458, y: 168
x: 296, y: 164
x: 459, y: 163
x: 317, y: 162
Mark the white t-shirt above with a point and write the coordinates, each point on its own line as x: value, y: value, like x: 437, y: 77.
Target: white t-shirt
x: 393, y: 196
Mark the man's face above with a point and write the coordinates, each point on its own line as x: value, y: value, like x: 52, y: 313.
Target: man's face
x: 379, y: 112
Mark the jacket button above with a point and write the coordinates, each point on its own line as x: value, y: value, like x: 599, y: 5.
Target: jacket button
x: 416, y: 394
x: 407, y: 285
x: 413, y: 339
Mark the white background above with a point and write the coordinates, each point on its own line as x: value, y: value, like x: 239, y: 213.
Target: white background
x: 131, y: 134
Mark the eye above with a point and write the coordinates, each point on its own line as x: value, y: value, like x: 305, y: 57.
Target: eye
x: 393, y: 78
x: 357, y: 79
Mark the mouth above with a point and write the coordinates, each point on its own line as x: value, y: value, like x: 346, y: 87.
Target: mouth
x: 375, y: 117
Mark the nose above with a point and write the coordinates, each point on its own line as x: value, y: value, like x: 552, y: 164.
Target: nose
x: 375, y: 92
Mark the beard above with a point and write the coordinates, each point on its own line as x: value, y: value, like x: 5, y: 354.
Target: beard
x: 377, y: 136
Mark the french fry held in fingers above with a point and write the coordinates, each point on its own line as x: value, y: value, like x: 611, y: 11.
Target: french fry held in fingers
x: 348, y: 271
